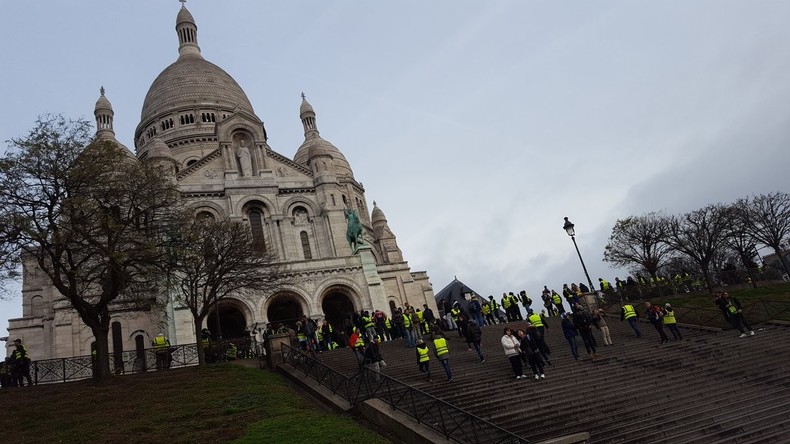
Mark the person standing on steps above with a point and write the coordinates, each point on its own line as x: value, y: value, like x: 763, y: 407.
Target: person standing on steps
x: 423, y: 359
x: 570, y: 333
x: 583, y: 323
x: 538, y: 339
x: 628, y: 313
x: 599, y: 320
x: 512, y: 348
x: 733, y: 307
x: 473, y: 337
x: 443, y: 354
x: 655, y: 316
x: 531, y: 354
x: 671, y: 323
x: 557, y: 300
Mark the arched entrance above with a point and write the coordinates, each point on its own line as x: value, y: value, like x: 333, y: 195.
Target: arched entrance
x: 229, y: 324
x: 284, y: 309
x: 336, y: 306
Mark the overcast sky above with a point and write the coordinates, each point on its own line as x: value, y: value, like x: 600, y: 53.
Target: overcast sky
x: 476, y: 126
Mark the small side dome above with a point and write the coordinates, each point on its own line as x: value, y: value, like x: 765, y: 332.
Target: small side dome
x: 377, y: 215
x: 103, y: 103
x: 159, y: 150
x: 316, y: 147
x: 184, y: 16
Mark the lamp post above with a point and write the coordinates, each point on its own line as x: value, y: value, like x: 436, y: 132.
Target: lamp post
x: 568, y: 227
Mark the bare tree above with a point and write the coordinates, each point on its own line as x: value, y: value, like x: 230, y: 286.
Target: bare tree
x: 639, y: 241
x: 767, y: 219
x: 699, y: 235
x: 86, y: 213
x: 740, y: 241
x: 215, y: 259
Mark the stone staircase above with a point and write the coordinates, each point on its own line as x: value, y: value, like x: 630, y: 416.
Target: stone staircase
x: 712, y: 387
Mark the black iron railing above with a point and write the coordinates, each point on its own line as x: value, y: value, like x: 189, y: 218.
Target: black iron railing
x: 46, y: 371
x: 756, y: 312
x: 451, y: 422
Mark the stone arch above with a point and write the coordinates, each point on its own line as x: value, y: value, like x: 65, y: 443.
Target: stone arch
x: 394, y: 300
x: 285, y: 306
x: 252, y: 200
x: 189, y: 161
x: 212, y: 207
x: 230, y: 318
x: 337, y: 302
x: 339, y: 281
x: 310, y: 206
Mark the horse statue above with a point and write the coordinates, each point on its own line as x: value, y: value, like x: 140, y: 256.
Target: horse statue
x: 354, y: 230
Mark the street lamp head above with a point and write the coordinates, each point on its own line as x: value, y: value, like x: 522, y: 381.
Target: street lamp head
x: 568, y: 227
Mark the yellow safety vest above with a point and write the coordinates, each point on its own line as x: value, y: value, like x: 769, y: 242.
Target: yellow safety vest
x: 423, y: 352
x: 441, y: 346
x: 732, y: 308
x: 494, y: 305
x: 536, y: 320
x: 160, y: 342
x: 387, y: 323
x: 360, y: 342
x: 419, y: 316
x: 407, y: 320
x: 629, y: 311
x: 455, y: 312
x: 486, y: 309
x: 669, y: 318
x: 368, y: 321
x: 556, y: 298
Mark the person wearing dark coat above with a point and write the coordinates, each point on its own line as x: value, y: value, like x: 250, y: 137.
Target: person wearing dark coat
x: 473, y: 337
x: 570, y: 333
x: 583, y: 323
x: 531, y: 354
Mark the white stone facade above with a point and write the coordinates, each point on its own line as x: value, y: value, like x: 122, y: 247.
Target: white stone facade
x: 197, y: 120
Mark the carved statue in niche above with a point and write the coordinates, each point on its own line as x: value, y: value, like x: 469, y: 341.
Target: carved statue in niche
x: 300, y: 216
x: 243, y: 154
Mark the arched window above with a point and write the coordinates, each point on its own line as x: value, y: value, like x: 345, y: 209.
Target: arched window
x: 256, y: 226
x: 37, y: 306
x: 204, y: 216
x: 306, y: 246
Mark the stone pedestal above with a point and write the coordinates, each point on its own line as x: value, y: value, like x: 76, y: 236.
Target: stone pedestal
x: 378, y: 299
x: 274, y: 348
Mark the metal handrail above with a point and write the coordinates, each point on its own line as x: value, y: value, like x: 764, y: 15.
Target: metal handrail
x: 75, y: 368
x: 450, y: 421
x: 756, y: 312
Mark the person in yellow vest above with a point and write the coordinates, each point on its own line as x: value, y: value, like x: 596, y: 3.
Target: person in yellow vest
x: 628, y: 313
x: 411, y: 339
x: 20, y: 365
x: 162, y: 351
x: 423, y: 360
x: 605, y: 286
x: 671, y: 323
x: 514, y: 307
x: 537, y: 321
x: 443, y: 354
x: 493, y: 305
x: 506, y: 306
x: 557, y: 300
x: 486, y: 310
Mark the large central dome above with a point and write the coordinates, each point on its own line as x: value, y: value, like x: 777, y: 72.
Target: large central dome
x: 193, y: 81
x: 187, y: 93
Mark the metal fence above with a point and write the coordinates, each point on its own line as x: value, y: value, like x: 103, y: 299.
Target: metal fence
x: 755, y: 312
x: 451, y: 422
x: 75, y: 368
